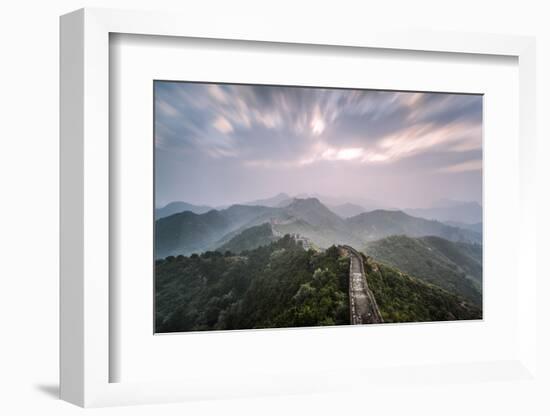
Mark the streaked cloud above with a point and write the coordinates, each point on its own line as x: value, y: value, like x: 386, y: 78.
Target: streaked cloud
x: 223, y: 125
x: 255, y: 128
x: 470, y: 165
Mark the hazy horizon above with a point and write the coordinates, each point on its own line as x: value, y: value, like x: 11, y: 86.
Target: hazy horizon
x: 220, y: 144
x: 344, y: 199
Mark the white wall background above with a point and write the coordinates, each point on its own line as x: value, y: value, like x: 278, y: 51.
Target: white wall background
x: 29, y: 207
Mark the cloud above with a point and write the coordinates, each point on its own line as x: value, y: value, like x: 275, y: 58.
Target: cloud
x: 166, y: 109
x: 286, y: 127
x: 217, y: 93
x: 468, y: 166
x: 223, y: 125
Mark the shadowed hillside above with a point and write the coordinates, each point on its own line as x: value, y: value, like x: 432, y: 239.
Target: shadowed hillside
x: 249, y: 239
x: 455, y: 267
x: 383, y: 223
x: 179, y: 206
x: 403, y: 298
x: 187, y: 233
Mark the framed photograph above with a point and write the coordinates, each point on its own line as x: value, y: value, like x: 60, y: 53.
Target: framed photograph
x: 292, y: 221
x: 238, y: 210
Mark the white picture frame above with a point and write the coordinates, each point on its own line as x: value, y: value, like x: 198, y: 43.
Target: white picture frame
x: 85, y: 210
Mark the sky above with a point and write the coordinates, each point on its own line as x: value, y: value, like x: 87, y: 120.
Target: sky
x: 219, y: 144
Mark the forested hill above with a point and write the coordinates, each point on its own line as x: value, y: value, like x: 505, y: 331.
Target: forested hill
x: 282, y: 285
x: 454, y: 266
x: 278, y: 285
x: 249, y: 239
x: 403, y: 298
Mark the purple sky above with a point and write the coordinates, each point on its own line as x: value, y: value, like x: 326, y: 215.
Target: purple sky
x: 219, y: 144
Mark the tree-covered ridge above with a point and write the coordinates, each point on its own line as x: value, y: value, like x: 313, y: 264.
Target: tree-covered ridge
x: 249, y: 239
x: 278, y: 285
x: 403, y: 298
x: 453, y: 266
x: 282, y: 285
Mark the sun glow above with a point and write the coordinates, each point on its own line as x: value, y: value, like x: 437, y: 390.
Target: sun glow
x: 317, y: 126
x: 349, y: 153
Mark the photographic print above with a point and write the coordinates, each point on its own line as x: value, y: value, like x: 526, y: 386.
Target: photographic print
x: 285, y: 206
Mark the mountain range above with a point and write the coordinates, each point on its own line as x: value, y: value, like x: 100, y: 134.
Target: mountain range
x: 179, y: 206
x: 189, y: 232
x: 455, y: 213
x: 450, y: 211
x: 477, y: 227
x: 278, y: 200
x: 382, y: 223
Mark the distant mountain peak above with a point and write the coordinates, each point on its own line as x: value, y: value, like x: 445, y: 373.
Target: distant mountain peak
x: 306, y: 201
x: 273, y: 201
x: 448, y: 210
x: 377, y: 213
x: 311, y: 204
x: 450, y: 203
x: 180, y: 206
